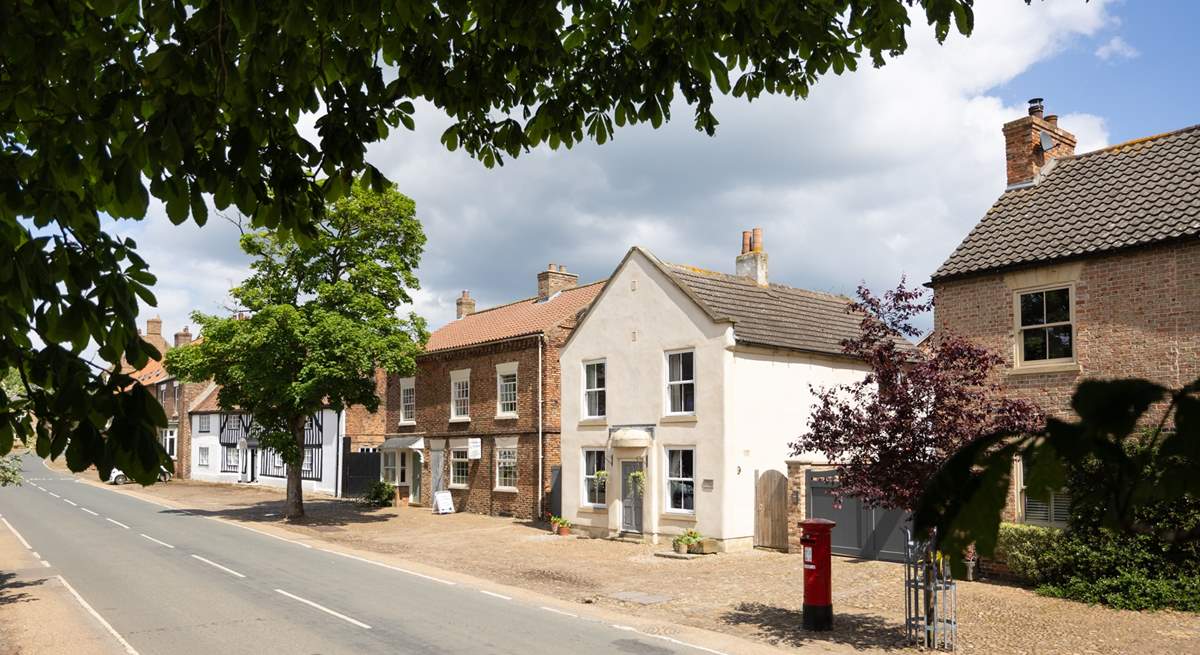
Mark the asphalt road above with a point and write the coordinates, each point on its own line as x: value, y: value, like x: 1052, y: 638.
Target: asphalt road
x: 170, y: 582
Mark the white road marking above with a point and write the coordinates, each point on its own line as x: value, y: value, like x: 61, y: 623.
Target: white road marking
x: 624, y: 627
x: 161, y: 543
x: 265, y: 534
x: 89, y: 511
x: 35, y: 554
x: 388, y: 566
x: 684, y: 643
x: 223, y: 568
x: 45, y: 563
x: 128, y: 648
x: 325, y: 609
x: 55, y: 495
x: 116, y: 523
x: 558, y: 611
x: 18, y: 534
x: 495, y: 595
x: 70, y: 502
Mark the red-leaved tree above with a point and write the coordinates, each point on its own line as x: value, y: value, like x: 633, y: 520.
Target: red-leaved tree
x: 917, y: 405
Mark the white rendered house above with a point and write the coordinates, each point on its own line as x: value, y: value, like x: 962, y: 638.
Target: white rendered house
x: 700, y: 380
x: 224, y: 448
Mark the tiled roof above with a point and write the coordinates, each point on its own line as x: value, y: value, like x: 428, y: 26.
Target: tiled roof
x: 774, y: 315
x: 152, y: 373
x: 207, y: 402
x: 521, y: 318
x: 1137, y: 193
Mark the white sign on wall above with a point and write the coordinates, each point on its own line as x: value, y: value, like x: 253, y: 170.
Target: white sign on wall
x: 443, y: 503
x: 474, y: 448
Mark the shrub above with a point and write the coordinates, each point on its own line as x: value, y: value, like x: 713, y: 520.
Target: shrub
x: 688, y: 538
x: 1030, y: 551
x: 379, y: 494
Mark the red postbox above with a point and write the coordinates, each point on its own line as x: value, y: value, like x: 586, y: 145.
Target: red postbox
x: 818, y: 583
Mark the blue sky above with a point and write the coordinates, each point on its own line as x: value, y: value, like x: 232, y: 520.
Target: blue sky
x: 1152, y: 88
x: 878, y: 174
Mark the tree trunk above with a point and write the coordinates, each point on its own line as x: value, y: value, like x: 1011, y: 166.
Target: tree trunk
x: 294, y: 507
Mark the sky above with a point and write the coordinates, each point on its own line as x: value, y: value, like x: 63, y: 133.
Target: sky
x: 878, y: 174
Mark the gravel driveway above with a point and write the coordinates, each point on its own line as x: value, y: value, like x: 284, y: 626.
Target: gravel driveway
x: 755, y: 594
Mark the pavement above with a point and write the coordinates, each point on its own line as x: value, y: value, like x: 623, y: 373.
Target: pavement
x: 158, y: 579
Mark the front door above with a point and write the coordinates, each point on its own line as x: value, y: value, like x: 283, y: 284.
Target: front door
x: 253, y: 459
x: 169, y: 442
x: 438, y: 476
x: 631, y: 498
x: 414, y: 477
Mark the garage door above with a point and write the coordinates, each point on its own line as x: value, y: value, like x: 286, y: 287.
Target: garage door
x: 861, y: 530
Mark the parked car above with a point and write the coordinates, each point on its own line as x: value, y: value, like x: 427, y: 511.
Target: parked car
x: 119, y: 477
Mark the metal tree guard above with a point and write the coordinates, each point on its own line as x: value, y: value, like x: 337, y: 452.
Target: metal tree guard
x: 930, y: 595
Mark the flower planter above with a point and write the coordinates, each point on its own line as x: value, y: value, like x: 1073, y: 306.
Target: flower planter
x: 681, y: 548
x: 563, y: 530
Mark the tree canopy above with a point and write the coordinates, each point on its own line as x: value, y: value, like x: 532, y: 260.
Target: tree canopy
x: 892, y: 430
x: 107, y: 105
x: 320, y: 318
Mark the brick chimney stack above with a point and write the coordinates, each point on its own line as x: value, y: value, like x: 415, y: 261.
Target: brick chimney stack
x: 183, y: 337
x: 1024, y: 152
x: 465, y: 304
x: 555, y: 279
x: 154, y: 335
x: 752, y: 263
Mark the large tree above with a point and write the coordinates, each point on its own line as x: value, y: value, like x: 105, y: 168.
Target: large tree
x: 319, y: 317
x: 106, y: 104
x: 893, y: 430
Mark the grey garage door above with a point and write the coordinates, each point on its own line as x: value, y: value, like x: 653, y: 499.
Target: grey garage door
x: 861, y: 530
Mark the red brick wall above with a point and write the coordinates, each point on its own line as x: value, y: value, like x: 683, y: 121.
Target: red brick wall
x: 1137, y: 314
x: 370, y: 428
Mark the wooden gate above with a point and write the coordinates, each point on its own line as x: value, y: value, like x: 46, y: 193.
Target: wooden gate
x: 771, y: 514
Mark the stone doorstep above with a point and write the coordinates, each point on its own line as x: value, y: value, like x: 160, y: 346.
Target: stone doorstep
x: 670, y: 554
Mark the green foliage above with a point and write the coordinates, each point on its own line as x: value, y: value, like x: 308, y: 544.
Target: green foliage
x: 1124, y: 483
x: 688, y: 538
x: 322, y: 316
x: 107, y: 105
x: 379, y: 494
x: 560, y: 522
x: 10, y: 470
x: 1134, y: 572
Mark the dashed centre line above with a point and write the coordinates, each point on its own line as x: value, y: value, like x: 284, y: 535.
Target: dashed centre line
x: 558, y: 611
x: 54, y: 494
x: 214, y: 564
x: 115, y: 522
x: 160, y: 543
x: 494, y: 594
x: 325, y: 609
x: 70, y: 502
x: 89, y: 511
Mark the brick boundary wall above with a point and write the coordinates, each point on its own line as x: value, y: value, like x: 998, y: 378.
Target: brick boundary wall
x: 797, y: 494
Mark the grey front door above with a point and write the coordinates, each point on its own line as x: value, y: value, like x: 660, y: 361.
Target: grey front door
x: 631, y: 499
x: 414, y: 488
x: 437, y: 477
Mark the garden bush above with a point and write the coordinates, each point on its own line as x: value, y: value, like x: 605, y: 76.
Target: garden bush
x: 379, y: 494
x: 1091, y: 563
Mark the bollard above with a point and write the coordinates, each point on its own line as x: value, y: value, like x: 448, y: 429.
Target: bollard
x: 818, y: 582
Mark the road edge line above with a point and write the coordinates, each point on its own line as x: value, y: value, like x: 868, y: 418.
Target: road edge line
x: 128, y: 647
x: 17, y: 534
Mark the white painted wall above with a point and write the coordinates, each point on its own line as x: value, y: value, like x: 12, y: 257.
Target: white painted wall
x: 641, y: 299
x: 751, y: 403
x: 330, y: 429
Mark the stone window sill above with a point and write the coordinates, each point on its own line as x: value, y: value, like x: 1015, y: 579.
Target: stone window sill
x: 506, y: 490
x: 594, y: 509
x: 506, y: 417
x: 461, y: 419
x: 404, y: 424
x: 1036, y: 369
x: 460, y: 486
x: 678, y: 418
x: 689, y: 517
x: 593, y: 422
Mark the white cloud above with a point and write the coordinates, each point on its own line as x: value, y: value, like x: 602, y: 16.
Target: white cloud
x: 1116, y: 48
x: 878, y: 173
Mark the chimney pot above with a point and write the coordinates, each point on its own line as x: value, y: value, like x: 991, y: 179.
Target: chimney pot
x: 752, y: 263
x: 183, y: 337
x: 1052, y: 119
x: 1035, y: 107
x: 555, y: 279
x: 1024, y: 157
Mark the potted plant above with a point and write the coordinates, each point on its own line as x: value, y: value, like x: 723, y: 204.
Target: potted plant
x: 684, y: 541
x: 561, y: 525
x: 637, y: 480
x: 601, y: 481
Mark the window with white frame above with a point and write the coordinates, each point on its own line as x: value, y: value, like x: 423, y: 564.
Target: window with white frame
x: 681, y: 479
x: 506, y: 390
x: 203, y: 423
x: 681, y: 382
x: 1045, y: 326
x: 506, y: 468
x: 595, y: 477
x: 231, y: 458
x: 460, y: 395
x: 307, y: 464
x: 594, y: 400
x: 202, y: 458
x: 388, y: 463
x: 1053, y: 511
x: 402, y: 467
x: 408, y: 401
x: 460, y: 467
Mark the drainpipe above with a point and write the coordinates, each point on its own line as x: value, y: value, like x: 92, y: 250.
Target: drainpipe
x: 541, y: 474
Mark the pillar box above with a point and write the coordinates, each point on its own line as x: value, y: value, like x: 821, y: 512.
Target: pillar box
x: 818, y: 578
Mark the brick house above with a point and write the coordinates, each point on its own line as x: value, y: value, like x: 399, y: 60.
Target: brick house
x: 480, y: 417
x: 1087, y: 266
x: 174, y: 396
